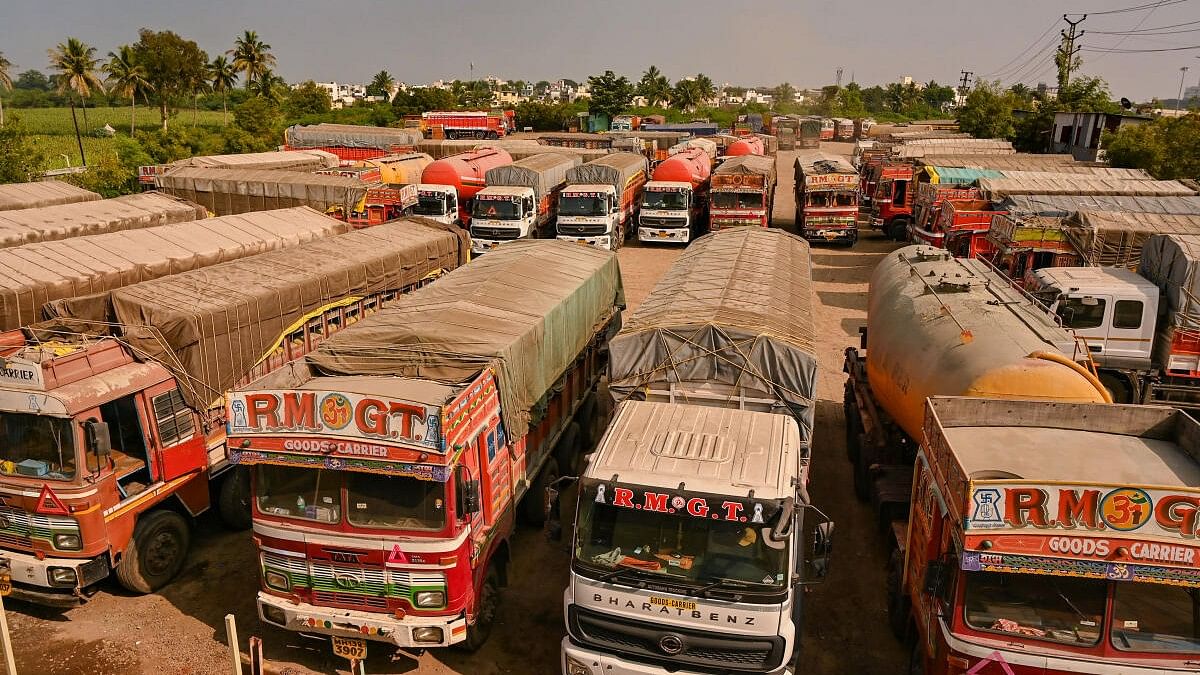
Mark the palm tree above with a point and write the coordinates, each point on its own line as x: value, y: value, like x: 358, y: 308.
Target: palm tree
x: 224, y: 77
x: 686, y: 95
x: 76, y: 62
x: 704, y: 88
x: 5, y: 81
x: 251, y: 56
x: 382, y: 84
x: 126, y: 77
x: 654, y: 86
x: 267, y: 85
x: 785, y: 93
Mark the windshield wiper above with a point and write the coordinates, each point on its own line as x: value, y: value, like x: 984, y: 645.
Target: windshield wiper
x: 618, y: 572
x: 703, y: 590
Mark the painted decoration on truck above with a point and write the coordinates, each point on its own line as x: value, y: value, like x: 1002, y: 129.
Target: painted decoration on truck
x: 989, y: 561
x: 832, y: 180
x: 684, y: 504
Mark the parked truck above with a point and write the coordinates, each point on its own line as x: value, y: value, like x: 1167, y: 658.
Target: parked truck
x: 675, y: 201
x: 19, y: 227
x: 520, y: 200
x: 810, y: 133
x: 1049, y: 538
x: 449, y: 184
x: 285, y: 160
x: 351, y: 142
x: 476, y: 124
x: 601, y: 200
x: 687, y: 555
x: 743, y: 191
x: 746, y: 145
x: 42, y: 193
x: 402, y: 169
x: 826, y: 195
x: 124, y: 440
x: 389, y: 465
x: 625, y: 123
x: 231, y: 191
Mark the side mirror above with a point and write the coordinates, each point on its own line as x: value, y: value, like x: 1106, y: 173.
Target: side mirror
x: 470, y: 497
x: 787, y: 517
x: 822, y: 541
x: 97, y: 437
x: 935, y: 577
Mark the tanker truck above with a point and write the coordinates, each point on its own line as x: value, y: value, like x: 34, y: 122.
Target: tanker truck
x: 747, y: 145
x: 675, y: 201
x: 943, y: 326
x: 520, y: 200
x: 600, y: 199
x: 743, y: 190
x: 449, y: 184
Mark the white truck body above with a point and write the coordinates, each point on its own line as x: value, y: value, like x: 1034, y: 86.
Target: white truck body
x: 668, y: 212
x: 590, y: 208
x: 437, y: 202
x: 501, y: 213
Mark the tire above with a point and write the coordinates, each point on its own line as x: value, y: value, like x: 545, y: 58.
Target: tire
x: 233, y: 499
x: 485, y: 619
x: 853, y: 425
x: 916, y: 665
x: 533, y: 506
x: 862, y: 474
x: 156, y: 552
x: 897, y: 604
x: 898, y: 230
x: 1117, y: 388
x: 568, y: 452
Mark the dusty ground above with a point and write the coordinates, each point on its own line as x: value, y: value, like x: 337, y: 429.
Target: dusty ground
x: 181, y: 630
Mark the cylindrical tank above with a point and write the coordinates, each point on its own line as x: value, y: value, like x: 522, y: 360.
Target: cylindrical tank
x: 690, y: 166
x: 749, y: 145
x: 405, y: 169
x: 942, y: 326
x: 465, y: 171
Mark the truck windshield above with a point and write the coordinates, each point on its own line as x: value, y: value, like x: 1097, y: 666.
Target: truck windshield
x: 367, y: 500
x: 673, y: 201
x: 304, y: 494
x: 737, y: 200
x: 495, y: 209
x: 430, y: 206
x: 686, y: 549
x: 1156, y: 618
x: 580, y: 205
x: 37, y: 446
x: 1048, y: 608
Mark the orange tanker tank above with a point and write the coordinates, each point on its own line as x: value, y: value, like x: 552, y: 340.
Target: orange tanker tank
x: 748, y: 145
x: 465, y: 173
x: 689, y: 166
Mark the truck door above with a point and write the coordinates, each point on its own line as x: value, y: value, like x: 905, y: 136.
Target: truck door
x: 1088, y: 316
x: 178, y: 442
x: 496, y: 472
x: 1131, y: 329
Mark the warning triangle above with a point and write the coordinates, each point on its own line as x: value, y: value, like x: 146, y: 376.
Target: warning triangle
x: 48, y: 503
x: 994, y: 657
x: 397, y: 556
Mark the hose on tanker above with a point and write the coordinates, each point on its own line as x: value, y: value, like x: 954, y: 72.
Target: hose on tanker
x: 1092, y: 379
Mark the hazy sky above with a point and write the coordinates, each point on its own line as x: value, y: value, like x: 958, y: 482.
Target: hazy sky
x: 761, y: 42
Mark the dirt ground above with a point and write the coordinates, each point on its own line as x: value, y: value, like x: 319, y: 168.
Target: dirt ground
x: 181, y: 630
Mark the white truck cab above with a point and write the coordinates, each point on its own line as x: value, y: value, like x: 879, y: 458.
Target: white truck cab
x: 437, y: 202
x: 591, y: 214
x: 668, y: 212
x: 502, y: 213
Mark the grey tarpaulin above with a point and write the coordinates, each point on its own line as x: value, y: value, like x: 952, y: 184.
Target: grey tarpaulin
x: 1172, y: 262
x: 42, y: 193
x: 350, y: 136
x: 616, y: 170
x: 735, y: 309
x: 1061, y: 206
x: 230, y: 191
x: 287, y: 160
x: 998, y: 188
x: 131, y: 212
x: 527, y: 309
x: 543, y: 173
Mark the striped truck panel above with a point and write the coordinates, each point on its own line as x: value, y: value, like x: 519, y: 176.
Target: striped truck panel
x: 21, y: 528
x: 322, y: 576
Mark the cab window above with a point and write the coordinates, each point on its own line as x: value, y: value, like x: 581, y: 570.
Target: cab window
x: 1127, y: 314
x: 1081, y: 312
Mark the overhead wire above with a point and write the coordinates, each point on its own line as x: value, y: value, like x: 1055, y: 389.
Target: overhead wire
x: 1033, y: 44
x: 1137, y: 8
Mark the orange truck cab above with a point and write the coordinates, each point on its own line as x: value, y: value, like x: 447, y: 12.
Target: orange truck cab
x: 1051, y: 538
x: 893, y: 199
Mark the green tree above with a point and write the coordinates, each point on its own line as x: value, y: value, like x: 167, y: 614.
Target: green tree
x: 76, y: 62
x: 546, y: 116
x: 223, y: 76
x: 611, y: 95
x: 270, y: 86
x: 705, y: 88
x: 1065, y: 63
x: 784, y: 94
x: 257, y: 117
x: 937, y: 96
x: 173, y: 67
x: 686, y: 95
x: 849, y: 103
x: 381, y: 84
x: 987, y: 112
x: 1023, y: 94
x: 654, y: 86
x: 472, y: 95
x: 20, y: 160
x: 33, y: 80
x: 875, y: 99
x: 1084, y: 94
x: 251, y: 56
x: 126, y: 77
x: 6, y: 82
x: 308, y: 99
x: 1166, y: 148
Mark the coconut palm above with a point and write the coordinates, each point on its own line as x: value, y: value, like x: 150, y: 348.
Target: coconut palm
x: 251, y: 56
x: 267, y: 85
x: 76, y: 62
x: 223, y: 77
x: 5, y: 81
x: 126, y: 77
x: 382, y: 84
x: 705, y: 88
x: 654, y: 86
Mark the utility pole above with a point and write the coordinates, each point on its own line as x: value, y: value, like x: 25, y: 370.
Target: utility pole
x: 1068, y: 50
x: 839, y: 78
x: 966, y: 78
x: 1179, y: 99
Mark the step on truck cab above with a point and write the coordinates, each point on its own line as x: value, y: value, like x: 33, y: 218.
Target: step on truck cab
x: 600, y: 200
x: 675, y: 201
x: 1048, y: 538
x: 520, y: 200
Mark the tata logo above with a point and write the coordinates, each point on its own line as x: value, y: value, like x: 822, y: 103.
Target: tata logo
x: 347, y: 580
x: 5, y: 523
x: 344, y: 556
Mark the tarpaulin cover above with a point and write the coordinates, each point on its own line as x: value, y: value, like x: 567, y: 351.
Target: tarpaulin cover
x: 42, y: 193
x: 616, y: 170
x: 1070, y: 172
x: 36, y: 274
x: 998, y: 188
x: 1064, y: 205
x: 287, y: 160
x: 927, y: 151
x: 543, y: 173
x: 439, y: 148
x: 735, y: 309
x: 1172, y: 262
x: 526, y: 309
x: 230, y: 191
x: 1009, y: 162
x: 131, y: 212
x: 350, y: 136
x: 960, y: 176
x: 960, y: 142
x: 748, y: 164
x: 813, y: 162
x: 520, y: 152
x: 209, y: 327
x: 1110, y: 238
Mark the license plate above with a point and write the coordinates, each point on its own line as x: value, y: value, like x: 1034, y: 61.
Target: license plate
x: 5, y: 583
x: 661, y: 235
x: 350, y: 648
x: 831, y: 235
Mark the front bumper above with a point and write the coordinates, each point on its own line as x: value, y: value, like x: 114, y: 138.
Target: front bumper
x: 849, y: 234
x: 31, y: 580
x: 673, y: 234
x: 603, y: 241
x: 480, y: 246
x: 606, y: 664
x: 305, y: 618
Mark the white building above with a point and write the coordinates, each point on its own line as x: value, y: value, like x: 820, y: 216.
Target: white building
x: 1081, y: 133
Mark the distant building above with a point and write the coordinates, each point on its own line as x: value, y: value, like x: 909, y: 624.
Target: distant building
x: 1081, y: 133
x: 503, y: 97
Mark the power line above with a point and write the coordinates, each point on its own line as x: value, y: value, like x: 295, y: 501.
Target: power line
x: 1174, y: 25
x: 1135, y: 28
x: 1105, y: 50
x: 1042, y: 52
x: 1033, y: 64
x: 1138, y: 8
x: 1068, y: 50
x: 1145, y: 32
x: 1053, y: 25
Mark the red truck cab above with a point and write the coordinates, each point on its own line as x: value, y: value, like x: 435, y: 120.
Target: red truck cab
x: 893, y: 199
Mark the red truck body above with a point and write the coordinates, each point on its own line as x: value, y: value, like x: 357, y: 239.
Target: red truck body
x: 747, y: 145
x: 931, y: 200
x: 467, y: 124
x: 966, y: 225
x: 690, y: 166
x: 466, y: 173
x: 893, y: 199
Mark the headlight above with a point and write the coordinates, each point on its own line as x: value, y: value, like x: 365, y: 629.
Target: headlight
x: 577, y: 667
x: 67, y: 542
x: 277, y: 581
x: 430, y: 599
x: 61, y: 576
x: 427, y: 634
x: 275, y: 615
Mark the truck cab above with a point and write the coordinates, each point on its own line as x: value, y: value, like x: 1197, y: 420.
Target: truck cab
x: 500, y: 214
x: 892, y: 201
x: 437, y: 202
x: 591, y: 214
x: 687, y: 554
x: 670, y: 212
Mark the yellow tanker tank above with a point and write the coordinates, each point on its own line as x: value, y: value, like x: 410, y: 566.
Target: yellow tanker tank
x: 941, y: 326
x: 402, y: 169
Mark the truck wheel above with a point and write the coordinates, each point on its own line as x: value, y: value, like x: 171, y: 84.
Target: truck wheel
x: 533, y: 507
x: 568, y: 452
x: 898, y: 230
x: 491, y: 136
x: 916, y: 663
x: 485, y: 615
x: 1117, y: 388
x: 897, y: 604
x: 233, y: 499
x: 155, y: 553
x: 862, y: 474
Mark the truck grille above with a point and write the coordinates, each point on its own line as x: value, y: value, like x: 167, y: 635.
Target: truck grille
x: 348, y: 599
x: 19, y: 528
x: 352, y: 585
x: 582, y: 230
x: 705, y: 651
x: 656, y: 221
x: 500, y: 233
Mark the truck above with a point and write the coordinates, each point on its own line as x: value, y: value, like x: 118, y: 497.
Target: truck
x: 727, y: 361
x: 931, y: 198
x: 743, y: 190
x: 42, y: 193
x: 351, y: 142
x: 126, y: 441
x: 944, y: 326
x: 625, y: 123
x: 746, y: 145
x: 449, y: 184
x: 232, y: 191
x: 892, y: 199
x: 965, y: 223
x: 787, y: 129
x: 826, y: 195
x: 810, y: 133
x: 520, y: 200
x: 844, y: 130
x: 675, y: 201
x: 389, y: 465
x: 601, y: 200
x: 402, y: 169
x: 19, y: 227
x: 477, y: 124
x: 286, y: 160
x: 1048, y: 538
x: 1142, y: 328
